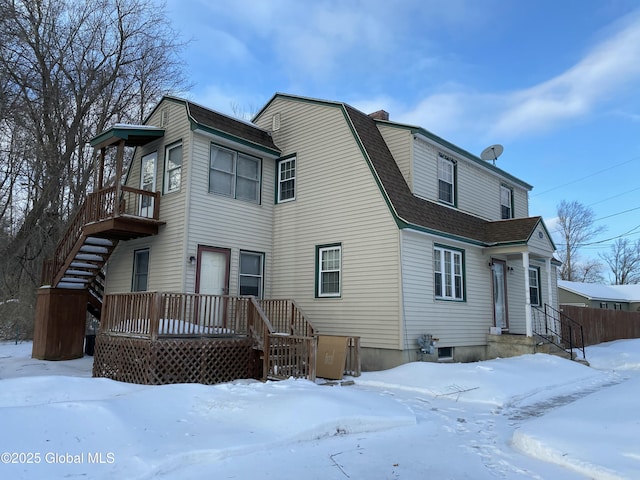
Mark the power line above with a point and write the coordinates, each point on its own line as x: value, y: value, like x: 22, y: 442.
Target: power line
x: 615, y: 196
x: 587, y: 176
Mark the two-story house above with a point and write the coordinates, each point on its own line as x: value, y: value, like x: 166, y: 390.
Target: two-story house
x: 376, y: 229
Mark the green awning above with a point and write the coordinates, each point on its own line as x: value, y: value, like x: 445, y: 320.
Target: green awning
x: 133, y: 135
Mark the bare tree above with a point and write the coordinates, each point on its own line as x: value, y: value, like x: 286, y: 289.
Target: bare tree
x: 576, y: 224
x: 68, y: 70
x: 624, y: 261
x: 588, y: 271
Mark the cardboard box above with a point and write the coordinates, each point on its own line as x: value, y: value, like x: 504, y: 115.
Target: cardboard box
x: 332, y: 356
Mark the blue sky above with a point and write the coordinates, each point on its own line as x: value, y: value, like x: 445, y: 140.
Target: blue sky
x: 557, y: 83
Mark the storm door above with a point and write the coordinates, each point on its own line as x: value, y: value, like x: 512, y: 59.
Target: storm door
x: 500, y: 313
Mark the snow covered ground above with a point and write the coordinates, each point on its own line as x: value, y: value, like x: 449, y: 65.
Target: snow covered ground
x: 534, y: 416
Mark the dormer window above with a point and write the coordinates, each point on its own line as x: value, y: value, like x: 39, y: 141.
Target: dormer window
x: 506, y: 202
x: 446, y: 179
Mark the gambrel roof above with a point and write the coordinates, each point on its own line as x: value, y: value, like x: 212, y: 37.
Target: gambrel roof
x: 413, y: 212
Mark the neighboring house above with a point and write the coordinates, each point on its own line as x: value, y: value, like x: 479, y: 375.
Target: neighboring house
x: 593, y: 295
x: 376, y: 229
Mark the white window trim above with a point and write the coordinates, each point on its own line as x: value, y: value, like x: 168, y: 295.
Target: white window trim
x: 448, y: 269
x: 327, y: 248
x: 293, y: 178
x: 168, y: 171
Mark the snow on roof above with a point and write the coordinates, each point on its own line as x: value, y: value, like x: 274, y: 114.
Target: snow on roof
x: 596, y: 291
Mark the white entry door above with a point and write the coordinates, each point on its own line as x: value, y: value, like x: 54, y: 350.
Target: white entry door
x: 212, y: 269
x: 148, y: 183
x: 500, y: 314
x: 212, y: 278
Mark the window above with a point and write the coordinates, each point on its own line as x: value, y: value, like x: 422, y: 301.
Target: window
x: 287, y: 180
x: 251, y: 273
x: 506, y: 202
x: 445, y: 353
x: 604, y: 305
x: 140, y: 270
x: 234, y: 174
x: 448, y: 274
x: 617, y: 306
x: 328, y: 270
x: 446, y: 179
x: 173, y: 168
x: 534, y: 286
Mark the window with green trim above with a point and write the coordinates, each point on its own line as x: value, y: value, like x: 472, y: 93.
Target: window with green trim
x: 140, y: 270
x: 287, y: 180
x: 234, y: 174
x: 534, y: 286
x: 506, y: 202
x: 448, y: 273
x: 329, y: 270
x: 446, y: 179
x: 172, y: 167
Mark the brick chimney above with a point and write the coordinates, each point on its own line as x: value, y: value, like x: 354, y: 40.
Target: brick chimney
x: 380, y: 115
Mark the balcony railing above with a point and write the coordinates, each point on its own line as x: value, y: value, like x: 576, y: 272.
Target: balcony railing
x: 100, y: 206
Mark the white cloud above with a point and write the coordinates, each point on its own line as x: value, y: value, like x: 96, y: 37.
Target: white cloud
x: 606, y: 72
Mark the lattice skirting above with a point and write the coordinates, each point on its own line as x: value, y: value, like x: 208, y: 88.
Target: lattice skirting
x: 174, y: 360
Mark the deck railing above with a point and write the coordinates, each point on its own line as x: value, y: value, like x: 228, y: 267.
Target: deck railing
x: 98, y: 206
x: 154, y: 315
x: 287, y: 317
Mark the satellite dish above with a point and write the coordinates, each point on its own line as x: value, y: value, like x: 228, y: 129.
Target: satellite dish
x: 492, y: 152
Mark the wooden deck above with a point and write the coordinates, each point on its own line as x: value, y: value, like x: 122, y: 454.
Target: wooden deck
x: 153, y: 338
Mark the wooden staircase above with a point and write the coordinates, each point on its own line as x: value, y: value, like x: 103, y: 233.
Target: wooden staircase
x: 100, y: 223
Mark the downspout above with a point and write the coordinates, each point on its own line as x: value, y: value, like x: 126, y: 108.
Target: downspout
x: 527, y: 295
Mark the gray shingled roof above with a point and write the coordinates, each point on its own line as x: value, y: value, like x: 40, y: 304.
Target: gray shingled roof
x: 235, y: 128
x: 426, y: 214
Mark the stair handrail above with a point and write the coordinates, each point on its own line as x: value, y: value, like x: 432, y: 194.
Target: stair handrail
x: 570, y: 334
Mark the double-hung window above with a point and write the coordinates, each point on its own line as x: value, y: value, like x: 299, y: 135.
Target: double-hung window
x: 140, y: 270
x: 448, y: 273
x: 234, y: 174
x: 534, y: 286
x: 506, y: 202
x: 287, y: 180
x: 329, y: 270
x: 172, y: 167
x: 446, y: 179
x: 251, y: 273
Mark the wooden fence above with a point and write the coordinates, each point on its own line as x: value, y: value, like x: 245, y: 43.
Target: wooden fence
x: 601, y: 325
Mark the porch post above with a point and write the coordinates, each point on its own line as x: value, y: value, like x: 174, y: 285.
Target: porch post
x: 118, y: 185
x: 527, y: 295
x: 547, y: 265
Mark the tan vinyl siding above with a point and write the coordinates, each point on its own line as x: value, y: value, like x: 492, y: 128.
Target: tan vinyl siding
x: 337, y: 201
x: 399, y: 141
x: 477, y: 189
x: 167, y: 257
x: 453, y: 323
x: 539, y: 241
x: 224, y: 222
x: 425, y: 170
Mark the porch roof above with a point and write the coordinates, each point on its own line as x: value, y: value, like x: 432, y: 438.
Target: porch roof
x: 133, y: 135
